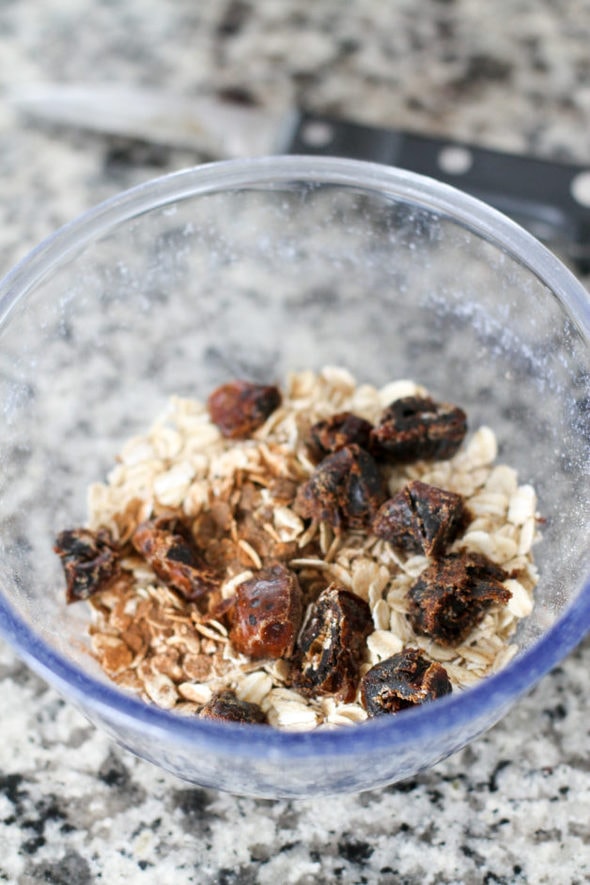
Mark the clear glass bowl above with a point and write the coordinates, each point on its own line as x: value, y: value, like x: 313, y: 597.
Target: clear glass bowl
x: 255, y: 268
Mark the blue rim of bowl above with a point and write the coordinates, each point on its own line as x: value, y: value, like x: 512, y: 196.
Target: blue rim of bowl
x: 487, y: 700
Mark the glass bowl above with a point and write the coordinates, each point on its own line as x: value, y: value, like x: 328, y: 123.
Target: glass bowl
x: 252, y: 269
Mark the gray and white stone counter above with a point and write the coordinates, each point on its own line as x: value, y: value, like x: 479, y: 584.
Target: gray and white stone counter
x: 75, y: 809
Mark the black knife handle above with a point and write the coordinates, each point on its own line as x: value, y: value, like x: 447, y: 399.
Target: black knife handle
x: 550, y: 199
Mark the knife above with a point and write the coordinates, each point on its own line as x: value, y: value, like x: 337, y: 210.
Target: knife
x: 551, y: 199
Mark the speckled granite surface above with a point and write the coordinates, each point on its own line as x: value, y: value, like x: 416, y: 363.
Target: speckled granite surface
x: 74, y: 809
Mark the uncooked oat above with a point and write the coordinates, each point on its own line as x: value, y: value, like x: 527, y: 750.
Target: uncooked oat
x: 239, y: 494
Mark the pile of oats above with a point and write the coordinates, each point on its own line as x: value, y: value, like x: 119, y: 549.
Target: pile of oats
x: 151, y: 641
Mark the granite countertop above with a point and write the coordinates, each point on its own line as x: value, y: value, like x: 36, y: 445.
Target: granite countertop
x: 74, y: 808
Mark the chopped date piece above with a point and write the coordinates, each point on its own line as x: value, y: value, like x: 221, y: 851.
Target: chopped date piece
x: 404, y: 680
x: 226, y: 707
x: 346, y: 489
x: 331, y: 645
x: 338, y: 431
x: 169, y: 549
x: 421, y: 517
x: 240, y: 407
x: 267, y: 614
x: 452, y: 595
x: 417, y: 428
x: 90, y: 561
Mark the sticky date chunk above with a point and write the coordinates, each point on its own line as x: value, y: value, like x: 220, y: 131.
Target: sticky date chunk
x: 226, y: 707
x: 421, y: 518
x: 240, y: 407
x: 169, y: 549
x: 267, y: 614
x: 418, y: 428
x: 90, y: 561
x: 452, y: 595
x: 404, y: 680
x: 331, y: 645
x: 338, y: 431
x: 346, y: 489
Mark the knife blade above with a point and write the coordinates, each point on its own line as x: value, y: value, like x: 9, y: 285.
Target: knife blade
x: 221, y: 128
x: 551, y: 199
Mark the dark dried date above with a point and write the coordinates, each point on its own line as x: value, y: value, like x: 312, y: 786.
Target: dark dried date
x: 267, y: 615
x: 418, y: 428
x: 338, y: 431
x: 421, y: 518
x: 90, y: 561
x: 169, y: 549
x: 226, y: 707
x: 331, y: 645
x: 407, y: 679
x: 240, y: 407
x: 346, y: 489
x: 452, y: 595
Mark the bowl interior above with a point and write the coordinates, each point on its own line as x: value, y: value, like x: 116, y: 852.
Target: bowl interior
x: 254, y: 278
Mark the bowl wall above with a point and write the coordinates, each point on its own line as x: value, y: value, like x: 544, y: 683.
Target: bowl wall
x: 253, y: 270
